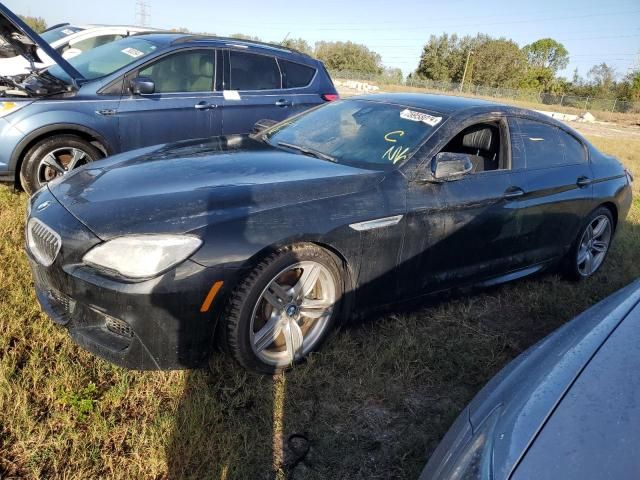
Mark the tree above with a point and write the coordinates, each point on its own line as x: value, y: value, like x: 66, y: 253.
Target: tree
x: 299, y: 44
x: 493, y: 62
x: 443, y: 57
x: 36, y: 23
x: 392, y: 75
x: 348, y: 56
x: 547, y: 53
x: 496, y: 63
x: 242, y: 36
x: 603, y: 77
x: 634, y: 85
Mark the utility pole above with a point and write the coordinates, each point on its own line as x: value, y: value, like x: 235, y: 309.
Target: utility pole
x: 142, y: 13
x: 466, y: 65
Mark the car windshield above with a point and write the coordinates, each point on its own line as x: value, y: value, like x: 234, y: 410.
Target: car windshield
x: 106, y: 59
x: 57, y: 33
x: 361, y: 133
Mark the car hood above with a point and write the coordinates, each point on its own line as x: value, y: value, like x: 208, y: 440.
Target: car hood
x: 181, y: 187
x: 595, y: 430
x: 25, y: 42
x: 532, y: 386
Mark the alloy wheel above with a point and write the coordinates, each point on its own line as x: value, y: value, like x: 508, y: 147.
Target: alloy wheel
x: 59, y: 162
x: 594, y: 245
x: 292, y: 313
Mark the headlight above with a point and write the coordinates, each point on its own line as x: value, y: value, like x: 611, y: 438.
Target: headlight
x: 472, y: 460
x: 9, y: 107
x: 142, y: 256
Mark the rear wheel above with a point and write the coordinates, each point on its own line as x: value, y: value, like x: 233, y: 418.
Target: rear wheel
x: 284, y: 309
x: 54, y: 157
x: 592, y: 245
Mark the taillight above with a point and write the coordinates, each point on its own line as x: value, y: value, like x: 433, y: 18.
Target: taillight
x: 629, y: 175
x: 330, y: 97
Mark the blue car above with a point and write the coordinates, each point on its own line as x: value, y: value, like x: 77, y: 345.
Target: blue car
x: 142, y: 90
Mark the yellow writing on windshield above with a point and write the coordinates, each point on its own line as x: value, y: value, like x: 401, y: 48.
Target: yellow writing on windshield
x: 396, y: 154
x: 389, y: 136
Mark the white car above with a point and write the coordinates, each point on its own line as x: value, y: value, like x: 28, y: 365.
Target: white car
x: 69, y: 41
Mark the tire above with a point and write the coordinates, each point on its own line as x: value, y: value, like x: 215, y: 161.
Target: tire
x: 60, y: 151
x: 591, y: 246
x: 267, y: 339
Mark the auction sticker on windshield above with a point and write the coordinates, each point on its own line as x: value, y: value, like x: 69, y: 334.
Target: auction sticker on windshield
x: 132, y: 52
x: 420, y: 117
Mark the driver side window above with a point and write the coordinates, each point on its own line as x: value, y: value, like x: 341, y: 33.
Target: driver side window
x: 482, y: 142
x: 190, y: 71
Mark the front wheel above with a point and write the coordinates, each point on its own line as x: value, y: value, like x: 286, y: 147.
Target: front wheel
x: 284, y: 309
x: 592, y: 245
x: 54, y: 157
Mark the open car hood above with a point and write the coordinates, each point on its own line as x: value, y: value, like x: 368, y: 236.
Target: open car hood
x: 25, y: 42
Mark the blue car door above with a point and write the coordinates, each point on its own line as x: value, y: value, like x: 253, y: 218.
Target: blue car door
x: 253, y: 92
x: 300, y: 85
x: 183, y: 106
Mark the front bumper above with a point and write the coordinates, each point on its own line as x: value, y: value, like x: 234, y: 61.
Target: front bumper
x: 148, y: 325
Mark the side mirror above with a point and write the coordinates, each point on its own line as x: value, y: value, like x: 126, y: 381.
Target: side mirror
x: 263, y: 124
x: 451, y: 166
x: 142, y: 86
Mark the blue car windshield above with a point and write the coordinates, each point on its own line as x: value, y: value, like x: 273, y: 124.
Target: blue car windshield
x: 106, y: 59
x: 360, y: 133
x: 58, y: 33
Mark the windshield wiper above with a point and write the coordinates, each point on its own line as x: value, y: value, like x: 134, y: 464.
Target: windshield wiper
x: 308, y: 151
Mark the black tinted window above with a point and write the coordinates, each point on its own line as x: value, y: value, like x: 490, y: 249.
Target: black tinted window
x: 541, y: 144
x: 573, y: 149
x: 295, y: 75
x: 253, y: 72
x: 190, y: 71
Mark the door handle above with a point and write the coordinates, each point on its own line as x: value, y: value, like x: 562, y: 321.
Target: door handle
x: 283, y: 103
x: 513, y: 192
x: 583, y: 181
x: 203, y: 106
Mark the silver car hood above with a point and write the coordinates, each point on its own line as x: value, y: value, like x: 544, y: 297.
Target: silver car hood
x: 532, y: 386
x: 594, y: 432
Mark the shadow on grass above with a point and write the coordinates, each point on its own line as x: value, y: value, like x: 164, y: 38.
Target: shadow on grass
x: 383, y: 391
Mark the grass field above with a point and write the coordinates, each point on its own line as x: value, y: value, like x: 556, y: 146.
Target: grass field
x: 372, y: 404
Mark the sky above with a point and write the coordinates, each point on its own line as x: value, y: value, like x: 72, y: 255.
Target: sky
x: 592, y: 31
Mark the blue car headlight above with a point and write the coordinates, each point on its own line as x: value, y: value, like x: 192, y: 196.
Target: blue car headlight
x: 472, y: 459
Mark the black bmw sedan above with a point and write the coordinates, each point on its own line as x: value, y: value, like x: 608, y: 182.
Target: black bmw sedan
x: 261, y: 243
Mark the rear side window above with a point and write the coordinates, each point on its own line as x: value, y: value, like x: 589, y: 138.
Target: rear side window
x: 253, y: 72
x: 574, y: 151
x: 295, y: 75
x: 541, y: 144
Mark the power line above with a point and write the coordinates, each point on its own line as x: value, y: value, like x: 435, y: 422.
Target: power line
x: 142, y: 13
x: 506, y: 22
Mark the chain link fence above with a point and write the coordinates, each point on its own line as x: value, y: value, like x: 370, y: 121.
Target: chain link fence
x: 532, y: 96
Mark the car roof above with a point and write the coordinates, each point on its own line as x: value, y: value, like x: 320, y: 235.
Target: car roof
x: 188, y: 39
x: 451, y: 105
x: 447, y: 104
x: 130, y: 27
